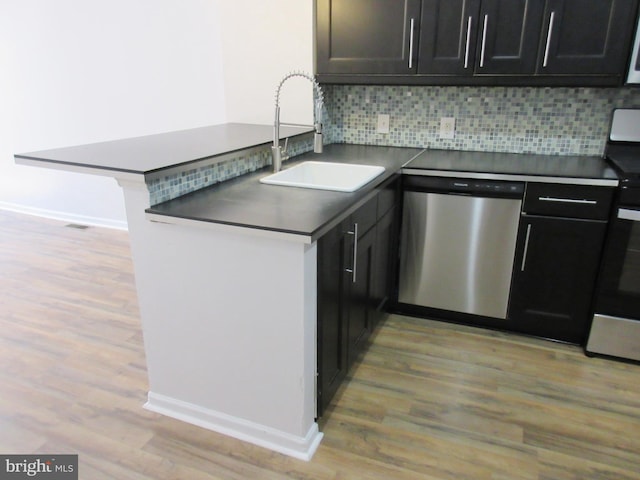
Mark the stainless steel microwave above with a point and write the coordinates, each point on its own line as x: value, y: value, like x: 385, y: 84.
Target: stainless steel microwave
x: 634, y: 65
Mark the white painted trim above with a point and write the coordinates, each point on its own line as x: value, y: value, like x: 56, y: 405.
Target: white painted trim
x: 301, y: 448
x: 65, y: 216
x: 223, y: 227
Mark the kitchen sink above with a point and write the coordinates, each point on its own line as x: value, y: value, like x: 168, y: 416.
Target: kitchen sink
x: 340, y: 177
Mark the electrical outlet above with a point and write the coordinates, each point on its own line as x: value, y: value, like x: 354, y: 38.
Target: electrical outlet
x: 447, y: 127
x: 383, y: 123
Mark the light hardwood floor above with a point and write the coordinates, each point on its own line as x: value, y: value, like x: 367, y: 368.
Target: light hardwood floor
x: 428, y: 400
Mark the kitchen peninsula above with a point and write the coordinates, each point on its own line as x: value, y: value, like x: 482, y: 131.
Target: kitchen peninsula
x: 228, y: 269
x: 228, y: 307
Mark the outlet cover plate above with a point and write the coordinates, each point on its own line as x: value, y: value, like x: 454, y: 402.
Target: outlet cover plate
x: 383, y: 123
x: 447, y: 127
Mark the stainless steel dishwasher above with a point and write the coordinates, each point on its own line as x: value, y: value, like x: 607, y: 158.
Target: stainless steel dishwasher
x: 458, y: 243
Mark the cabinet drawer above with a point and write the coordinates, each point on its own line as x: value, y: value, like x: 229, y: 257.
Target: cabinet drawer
x: 574, y: 201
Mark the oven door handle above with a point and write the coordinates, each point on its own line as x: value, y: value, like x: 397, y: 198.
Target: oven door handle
x: 627, y: 214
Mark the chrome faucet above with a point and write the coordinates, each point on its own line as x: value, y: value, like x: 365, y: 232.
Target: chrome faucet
x: 278, y: 152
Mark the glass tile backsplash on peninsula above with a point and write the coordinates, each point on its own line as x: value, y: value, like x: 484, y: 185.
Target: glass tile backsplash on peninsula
x: 559, y: 121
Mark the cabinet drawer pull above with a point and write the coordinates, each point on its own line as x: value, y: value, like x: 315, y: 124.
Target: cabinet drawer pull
x: 546, y: 48
x: 627, y: 214
x: 466, y: 49
x: 484, y: 39
x: 411, y: 44
x: 568, y: 200
x: 354, y: 263
x: 526, y: 247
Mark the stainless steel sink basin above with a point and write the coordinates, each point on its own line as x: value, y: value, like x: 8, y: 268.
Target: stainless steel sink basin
x: 340, y: 177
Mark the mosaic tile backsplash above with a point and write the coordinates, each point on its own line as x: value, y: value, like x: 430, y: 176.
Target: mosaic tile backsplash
x: 178, y: 184
x: 558, y: 121
x: 555, y: 121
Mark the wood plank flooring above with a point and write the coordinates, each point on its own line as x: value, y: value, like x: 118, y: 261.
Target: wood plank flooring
x: 428, y: 400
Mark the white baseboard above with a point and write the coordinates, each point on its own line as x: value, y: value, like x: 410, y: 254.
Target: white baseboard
x: 65, y: 216
x: 302, y: 448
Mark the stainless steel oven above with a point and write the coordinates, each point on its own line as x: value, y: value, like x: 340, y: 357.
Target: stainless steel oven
x: 634, y: 65
x: 615, y: 329
x: 616, y: 323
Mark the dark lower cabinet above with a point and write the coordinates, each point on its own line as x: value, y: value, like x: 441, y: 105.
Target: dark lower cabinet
x: 560, y: 240
x: 387, y: 235
x: 333, y: 319
x: 354, y: 282
x: 555, y: 274
x: 359, y: 295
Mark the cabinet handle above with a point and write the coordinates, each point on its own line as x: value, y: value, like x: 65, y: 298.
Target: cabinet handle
x: 484, y: 39
x: 546, y: 48
x: 627, y: 214
x: 526, y: 247
x: 466, y: 49
x: 568, y: 200
x: 354, y: 263
x: 411, y: 44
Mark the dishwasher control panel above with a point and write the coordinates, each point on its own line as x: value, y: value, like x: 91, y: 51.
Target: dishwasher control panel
x: 465, y: 186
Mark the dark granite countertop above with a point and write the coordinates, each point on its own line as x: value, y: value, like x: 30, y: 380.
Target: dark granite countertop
x: 308, y: 213
x: 153, y: 153
x: 585, y: 170
x: 299, y: 212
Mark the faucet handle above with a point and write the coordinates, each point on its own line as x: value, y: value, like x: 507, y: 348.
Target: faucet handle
x: 284, y: 149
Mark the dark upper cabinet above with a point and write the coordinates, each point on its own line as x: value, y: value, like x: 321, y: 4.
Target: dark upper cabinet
x: 367, y: 36
x: 586, y: 36
x: 481, y: 42
x: 508, y: 34
x: 467, y: 37
x: 447, y: 36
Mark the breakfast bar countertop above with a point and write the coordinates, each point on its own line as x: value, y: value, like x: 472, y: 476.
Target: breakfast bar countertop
x: 158, y: 152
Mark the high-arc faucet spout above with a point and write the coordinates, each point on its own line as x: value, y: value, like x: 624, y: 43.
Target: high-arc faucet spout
x: 279, y: 153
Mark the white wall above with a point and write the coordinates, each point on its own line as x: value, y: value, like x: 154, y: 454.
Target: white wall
x: 262, y: 41
x: 81, y: 71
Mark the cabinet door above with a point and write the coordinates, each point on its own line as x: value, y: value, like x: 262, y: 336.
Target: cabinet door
x: 586, y: 36
x: 332, y: 317
x: 361, y: 304
x: 386, y: 262
x: 367, y: 36
x: 463, y: 37
x: 448, y: 30
x: 555, y: 272
x: 508, y: 36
